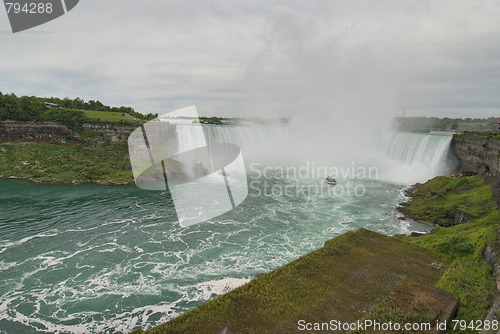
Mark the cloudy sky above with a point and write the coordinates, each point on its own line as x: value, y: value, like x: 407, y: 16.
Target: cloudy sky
x: 263, y: 58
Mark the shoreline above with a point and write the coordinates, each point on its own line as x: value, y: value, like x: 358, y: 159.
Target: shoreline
x: 73, y: 182
x: 409, y: 193
x: 468, y: 250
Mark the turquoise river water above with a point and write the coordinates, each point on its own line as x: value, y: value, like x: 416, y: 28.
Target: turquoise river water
x: 101, y: 259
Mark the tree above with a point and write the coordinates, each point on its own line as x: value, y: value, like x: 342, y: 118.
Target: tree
x: 78, y: 103
x: 8, y: 107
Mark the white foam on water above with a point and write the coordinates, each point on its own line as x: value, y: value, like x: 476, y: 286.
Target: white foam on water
x: 4, y: 245
x: 219, y: 287
x: 104, y: 274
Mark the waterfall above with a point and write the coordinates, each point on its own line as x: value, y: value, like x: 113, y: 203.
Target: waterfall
x: 189, y: 136
x: 244, y: 136
x: 400, y: 157
x: 416, y: 156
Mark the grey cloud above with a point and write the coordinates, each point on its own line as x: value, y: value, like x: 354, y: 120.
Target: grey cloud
x: 263, y: 58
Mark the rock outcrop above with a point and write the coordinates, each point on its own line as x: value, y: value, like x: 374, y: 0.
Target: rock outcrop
x: 93, y: 133
x: 16, y: 131
x: 478, y: 154
x: 113, y: 132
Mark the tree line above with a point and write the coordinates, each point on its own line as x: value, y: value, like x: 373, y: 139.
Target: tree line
x: 426, y: 124
x: 69, y: 113
x: 79, y: 103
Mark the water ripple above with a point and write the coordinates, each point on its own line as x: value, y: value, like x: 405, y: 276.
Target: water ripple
x: 93, y: 259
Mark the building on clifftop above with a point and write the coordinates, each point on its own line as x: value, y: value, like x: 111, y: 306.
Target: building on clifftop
x: 496, y: 124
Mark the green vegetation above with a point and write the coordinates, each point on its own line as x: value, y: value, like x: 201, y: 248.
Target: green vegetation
x: 97, y: 160
x: 488, y: 134
x: 72, y: 119
x: 71, y: 113
x: 109, y: 117
x: 212, y: 120
x: 363, y: 275
x: 340, y: 281
x: 427, y: 124
x: 80, y: 104
x: 412, y: 303
x: 44, y: 162
x: 31, y: 109
x: 437, y: 200
x: 469, y: 276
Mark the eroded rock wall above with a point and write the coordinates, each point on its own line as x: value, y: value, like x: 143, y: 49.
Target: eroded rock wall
x: 477, y: 154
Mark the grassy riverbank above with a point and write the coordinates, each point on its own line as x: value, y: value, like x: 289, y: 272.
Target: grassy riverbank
x: 364, y: 275
x: 469, y: 276
x: 341, y: 281
x: 484, y: 134
x: 68, y: 163
x: 439, y: 200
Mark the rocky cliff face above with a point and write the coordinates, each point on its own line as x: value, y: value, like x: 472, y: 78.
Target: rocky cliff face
x: 15, y: 131
x: 48, y: 131
x: 477, y: 154
x: 113, y: 132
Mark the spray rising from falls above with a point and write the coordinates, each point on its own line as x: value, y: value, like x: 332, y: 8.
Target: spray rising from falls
x: 400, y: 157
x: 251, y: 139
x: 189, y: 137
x: 414, y: 157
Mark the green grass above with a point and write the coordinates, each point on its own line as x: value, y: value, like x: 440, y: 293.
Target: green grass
x: 109, y: 117
x: 45, y: 162
x: 437, y: 200
x: 484, y: 134
x: 462, y: 245
x: 340, y: 281
x: 469, y: 275
x: 411, y: 303
x: 352, y: 276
